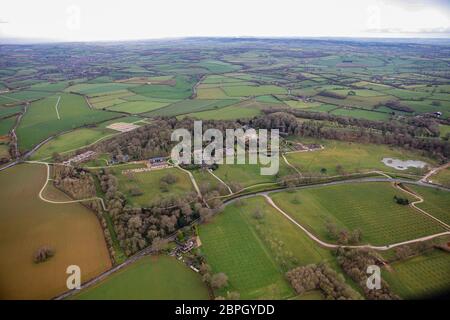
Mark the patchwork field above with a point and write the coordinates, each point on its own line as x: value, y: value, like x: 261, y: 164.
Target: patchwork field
x: 150, y: 278
x: 227, y: 113
x: 71, y: 141
x: 190, y: 106
x: 73, y: 232
x: 41, y: 120
x: 369, y: 207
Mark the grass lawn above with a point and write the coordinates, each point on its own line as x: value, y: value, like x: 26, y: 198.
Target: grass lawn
x: 353, y: 157
x: 150, y: 278
x: 249, y: 174
x: 367, y: 206
x: 437, y: 202
x: 41, y: 121
x: 71, y: 141
x: 72, y: 230
x: 149, y: 183
x: 420, y: 277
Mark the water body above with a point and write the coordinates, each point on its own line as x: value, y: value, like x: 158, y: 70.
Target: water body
x: 403, y: 164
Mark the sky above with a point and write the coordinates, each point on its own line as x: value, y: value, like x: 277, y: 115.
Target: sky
x: 92, y: 20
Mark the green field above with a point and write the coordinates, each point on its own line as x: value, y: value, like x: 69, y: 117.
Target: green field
x: 352, y: 157
x: 148, y: 183
x: 190, y: 106
x: 442, y: 177
x: 7, y: 111
x: 94, y: 89
x: 40, y: 121
x: 369, y: 207
x: 71, y: 141
x: 437, y: 202
x: 246, y: 90
x: 362, y: 114
x: 249, y: 174
x: 232, y: 246
x: 27, y: 223
x: 150, y: 278
x: 227, y: 113
x: 420, y: 277
x: 181, y: 90
x: 6, y: 125
x: 135, y: 107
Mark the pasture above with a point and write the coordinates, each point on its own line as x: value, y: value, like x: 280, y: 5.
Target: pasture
x: 72, y: 230
x: 226, y: 113
x: 149, y: 183
x: 191, y: 106
x: 249, y: 174
x: 369, y: 207
x: 346, y: 157
x: 149, y: 278
x: 71, y: 141
x: 6, y: 125
x: 41, y: 121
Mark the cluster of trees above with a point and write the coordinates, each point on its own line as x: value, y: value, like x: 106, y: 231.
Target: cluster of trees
x: 414, y: 249
x: 392, y: 133
x: 400, y: 200
x: 79, y: 184
x: 343, y: 236
x: 76, y: 182
x: 354, y: 263
x: 396, y: 105
x: 331, y: 94
x: 166, y: 181
x: 43, y: 254
x: 137, y: 228
x: 153, y: 140
x: 320, y: 277
x: 217, y: 281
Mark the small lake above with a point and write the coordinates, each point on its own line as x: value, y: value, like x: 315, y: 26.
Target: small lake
x: 403, y: 164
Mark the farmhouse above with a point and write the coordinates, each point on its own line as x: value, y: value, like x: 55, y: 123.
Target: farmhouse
x: 158, y: 162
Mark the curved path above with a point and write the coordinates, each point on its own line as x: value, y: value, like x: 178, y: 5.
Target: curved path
x: 221, y: 181
x: 61, y: 202
x: 335, y: 246
x: 420, y: 200
x: 149, y: 250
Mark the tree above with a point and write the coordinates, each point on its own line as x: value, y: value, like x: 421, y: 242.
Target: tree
x: 43, y: 254
x: 56, y: 157
x: 323, y: 171
x: 159, y: 244
x: 258, y: 214
x: 219, y: 280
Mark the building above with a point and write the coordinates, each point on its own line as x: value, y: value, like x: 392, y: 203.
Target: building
x: 157, y: 162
